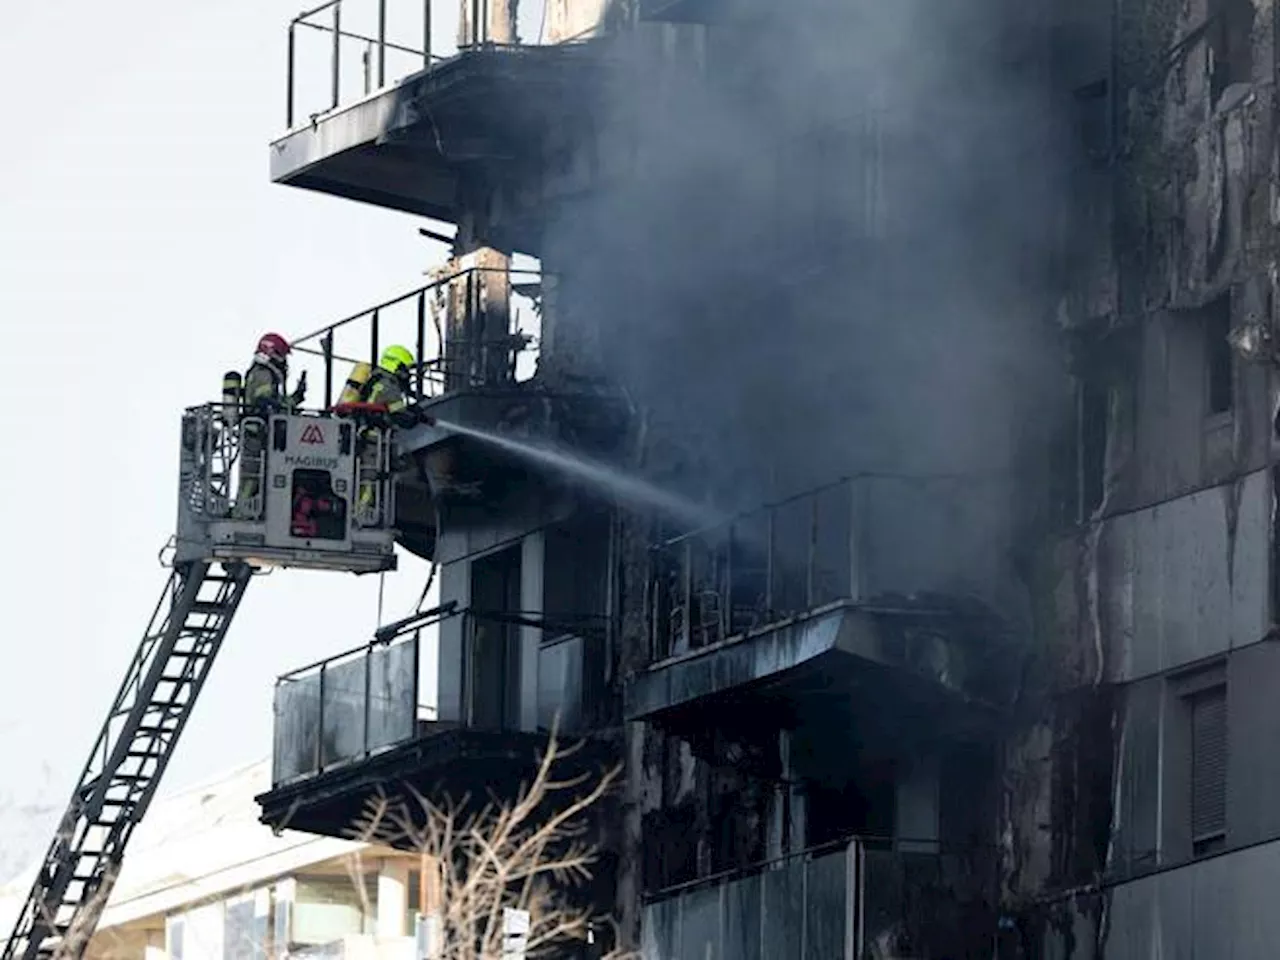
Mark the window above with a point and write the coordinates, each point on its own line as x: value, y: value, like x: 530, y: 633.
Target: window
x: 330, y: 908
x: 1218, y: 359
x: 1208, y: 799
x: 241, y: 938
x: 173, y: 938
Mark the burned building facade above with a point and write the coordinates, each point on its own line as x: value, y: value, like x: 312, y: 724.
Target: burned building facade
x: 956, y: 640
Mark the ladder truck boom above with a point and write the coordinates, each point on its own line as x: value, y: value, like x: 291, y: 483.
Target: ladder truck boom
x: 284, y: 490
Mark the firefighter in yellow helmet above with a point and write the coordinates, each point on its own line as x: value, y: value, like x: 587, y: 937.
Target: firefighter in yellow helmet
x: 387, y: 386
x: 389, y: 383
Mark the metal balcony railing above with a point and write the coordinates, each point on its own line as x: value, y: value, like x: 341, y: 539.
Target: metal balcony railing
x: 870, y: 539
x: 758, y: 568
x: 417, y: 320
x: 355, y: 705
x: 364, y: 46
x: 854, y: 899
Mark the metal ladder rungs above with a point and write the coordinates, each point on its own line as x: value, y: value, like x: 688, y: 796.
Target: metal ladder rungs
x: 142, y: 755
x: 122, y: 774
x: 207, y: 607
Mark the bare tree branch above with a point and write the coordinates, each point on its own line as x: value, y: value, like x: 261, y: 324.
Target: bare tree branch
x: 529, y: 853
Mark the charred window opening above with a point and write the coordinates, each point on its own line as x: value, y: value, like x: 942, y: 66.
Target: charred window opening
x: 1082, y: 785
x: 575, y: 608
x: 1230, y: 45
x: 670, y: 848
x: 1219, y: 364
x: 495, y: 641
x: 1208, y: 715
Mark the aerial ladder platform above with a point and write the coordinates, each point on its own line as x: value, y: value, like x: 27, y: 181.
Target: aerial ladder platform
x: 256, y: 491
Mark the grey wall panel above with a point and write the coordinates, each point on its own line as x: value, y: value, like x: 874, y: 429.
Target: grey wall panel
x: 1178, y: 587
x: 1222, y: 907
x: 1253, y: 757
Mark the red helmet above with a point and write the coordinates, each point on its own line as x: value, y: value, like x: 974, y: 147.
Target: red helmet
x: 274, y: 346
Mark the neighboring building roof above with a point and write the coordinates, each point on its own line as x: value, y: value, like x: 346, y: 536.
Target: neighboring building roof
x: 193, y: 844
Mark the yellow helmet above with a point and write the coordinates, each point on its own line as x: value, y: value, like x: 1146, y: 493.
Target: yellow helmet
x: 395, y: 358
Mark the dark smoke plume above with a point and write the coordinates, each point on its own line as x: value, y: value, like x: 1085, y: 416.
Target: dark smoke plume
x: 829, y: 255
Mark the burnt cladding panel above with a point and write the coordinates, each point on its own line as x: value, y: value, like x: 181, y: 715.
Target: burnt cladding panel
x: 743, y: 917
x: 660, y: 930
x: 783, y: 911
x: 826, y: 903
x: 700, y: 929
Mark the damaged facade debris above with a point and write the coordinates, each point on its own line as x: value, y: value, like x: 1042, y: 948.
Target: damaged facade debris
x: 930, y: 305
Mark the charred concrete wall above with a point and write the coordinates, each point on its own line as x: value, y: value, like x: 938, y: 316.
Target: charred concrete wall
x: 1169, y: 576
x: 802, y: 259
x: 1166, y: 242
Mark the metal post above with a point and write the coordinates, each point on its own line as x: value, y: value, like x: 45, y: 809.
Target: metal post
x: 320, y: 725
x: 652, y: 593
x: 373, y: 340
x: 382, y: 43
x: 727, y: 613
x: 426, y: 33
x: 769, y: 561
x: 366, y: 65
x: 368, y: 666
x: 326, y: 345
x: 422, y: 341
x: 811, y: 560
x: 413, y: 687
x: 464, y: 672
x: 856, y: 515
x: 288, y: 110
x: 687, y: 625
x: 475, y: 22
x: 335, y: 67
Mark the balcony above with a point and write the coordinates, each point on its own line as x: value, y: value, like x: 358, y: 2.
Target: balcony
x: 476, y: 331
x: 382, y: 107
x: 359, y: 720
x: 860, y: 898
x: 815, y: 595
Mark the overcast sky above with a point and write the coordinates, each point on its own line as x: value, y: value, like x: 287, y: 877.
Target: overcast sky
x: 143, y: 250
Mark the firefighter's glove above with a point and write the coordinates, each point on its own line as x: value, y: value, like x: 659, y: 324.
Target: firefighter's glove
x: 404, y: 419
x: 300, y: 391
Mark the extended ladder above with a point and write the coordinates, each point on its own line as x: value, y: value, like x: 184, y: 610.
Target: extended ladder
x: 127, y: 761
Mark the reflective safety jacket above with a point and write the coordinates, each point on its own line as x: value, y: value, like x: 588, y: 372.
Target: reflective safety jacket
x: 385, y: 388
x: 264, y: 389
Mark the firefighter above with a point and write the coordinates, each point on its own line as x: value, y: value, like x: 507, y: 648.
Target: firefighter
x: 387, y: 385
x: 264, y: 394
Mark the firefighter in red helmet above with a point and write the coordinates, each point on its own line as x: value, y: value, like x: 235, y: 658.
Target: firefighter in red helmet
x: 264, y: 394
